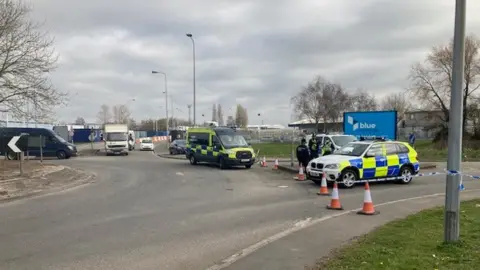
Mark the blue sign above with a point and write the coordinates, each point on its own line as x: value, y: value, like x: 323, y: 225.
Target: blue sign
x: 378, y: 124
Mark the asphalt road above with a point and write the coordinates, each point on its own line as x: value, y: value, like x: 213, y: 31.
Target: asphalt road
x: 145, y: 212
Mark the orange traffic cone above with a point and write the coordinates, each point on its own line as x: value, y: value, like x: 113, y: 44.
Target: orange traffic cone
x: 300, y: 176
x: 264, y: 162
x: 275, y: 166
x: 368, y: 208
x: 323, y: 187
x: 335, y: 202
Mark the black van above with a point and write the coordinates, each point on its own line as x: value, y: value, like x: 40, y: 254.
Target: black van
x: 52, y: 144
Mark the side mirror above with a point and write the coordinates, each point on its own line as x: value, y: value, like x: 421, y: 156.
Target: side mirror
x: 370, y: 154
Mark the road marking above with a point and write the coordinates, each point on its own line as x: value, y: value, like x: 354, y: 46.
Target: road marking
x: 282, y: 186
x: 179, y: 173
x: 302, y: 225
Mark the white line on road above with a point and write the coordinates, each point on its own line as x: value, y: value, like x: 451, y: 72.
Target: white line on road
x: 179, y: 173
x: 302, y: 225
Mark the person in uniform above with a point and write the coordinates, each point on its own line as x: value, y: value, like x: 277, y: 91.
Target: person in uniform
x: 303, y: 154
x: 313, y: 147
x: 328, y: 148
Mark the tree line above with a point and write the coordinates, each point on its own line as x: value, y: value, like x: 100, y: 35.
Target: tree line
x: 323, y: 101
x: 430, y: 86
x: 240, y: 118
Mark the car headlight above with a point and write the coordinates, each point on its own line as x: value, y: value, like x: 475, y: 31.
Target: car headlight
x: 332, y: 166
x: 70, y: 147
x: 229, y: 151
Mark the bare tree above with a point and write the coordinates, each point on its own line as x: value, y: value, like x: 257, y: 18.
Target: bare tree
x: 320, y: 100
x: 121, y: 114
x: 214, y: 113
x: 79, y: 121
x: 396, y: 102
x: 220, y: 118
x: 431, y: 81
x: 361, y: 100
x: 241, y: 116
x: 104, y: 116
x: 26, y: 56
x: 335, y: 101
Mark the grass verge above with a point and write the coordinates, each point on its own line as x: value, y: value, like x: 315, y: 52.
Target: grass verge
x: 427, y: 151
x: 414, y: 243
x: 274, y: 150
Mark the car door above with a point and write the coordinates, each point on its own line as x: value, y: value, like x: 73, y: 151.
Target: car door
x: 393, y: 161
x: 374, y: 162
x: 215, y: 148
x: 203, y: 142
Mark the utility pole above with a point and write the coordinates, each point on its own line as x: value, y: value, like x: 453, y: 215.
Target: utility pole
x: 452, y: 194
x: 189, y: 114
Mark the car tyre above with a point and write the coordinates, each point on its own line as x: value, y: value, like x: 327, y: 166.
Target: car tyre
x: 222, y: 163
x: 61, y: 154
x: 348, y: 178
x: 193, y: 160
x: 248, y: 166
x: 11, y: 155
x: 407, y: 172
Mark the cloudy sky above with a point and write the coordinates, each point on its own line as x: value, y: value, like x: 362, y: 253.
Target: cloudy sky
x: 255, y: 53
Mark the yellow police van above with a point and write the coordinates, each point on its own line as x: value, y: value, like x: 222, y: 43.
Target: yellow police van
x: 366, y: 159
x: 218, y: 145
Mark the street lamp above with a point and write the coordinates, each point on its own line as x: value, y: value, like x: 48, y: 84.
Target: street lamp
x: 194, y: 95
x: 262, y: 119
x: 166, y: 95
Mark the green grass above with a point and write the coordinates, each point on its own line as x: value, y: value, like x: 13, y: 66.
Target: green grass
x: 414, y: 243
x: 274, y: 150
x: 427, y: 151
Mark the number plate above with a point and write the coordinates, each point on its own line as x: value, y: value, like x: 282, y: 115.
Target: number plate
x: 314, y: 173
x: 245, y: 160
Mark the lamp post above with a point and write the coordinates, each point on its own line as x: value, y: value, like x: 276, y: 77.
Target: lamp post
x: 166, y: 95
x: 194, y: 95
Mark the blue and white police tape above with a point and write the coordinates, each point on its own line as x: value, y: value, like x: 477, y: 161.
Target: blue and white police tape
x: 447, y: 172
x: 411, y: 176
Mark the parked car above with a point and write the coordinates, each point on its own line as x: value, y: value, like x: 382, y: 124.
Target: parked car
x: 178, y: 147
x: 38, y: 139
x: 146, y: 144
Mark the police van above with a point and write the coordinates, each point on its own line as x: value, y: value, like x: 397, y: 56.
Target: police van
x: 366, y: 159
x: 218, y: 145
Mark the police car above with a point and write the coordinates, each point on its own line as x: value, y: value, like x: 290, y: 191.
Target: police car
x: 366, y: 159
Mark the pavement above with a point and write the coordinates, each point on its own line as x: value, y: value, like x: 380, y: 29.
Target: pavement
x: 145, y: 212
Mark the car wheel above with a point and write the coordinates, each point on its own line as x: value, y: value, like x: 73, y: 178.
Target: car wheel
x: 248, y: 166
x: 11, y: 155
x: 61, y: 154
x: 222, y: 163
x: 406, y: 173
x: 193, y: 160
x: 348, y: 178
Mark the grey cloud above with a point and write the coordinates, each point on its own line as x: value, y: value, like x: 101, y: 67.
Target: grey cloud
x: 260, y: 52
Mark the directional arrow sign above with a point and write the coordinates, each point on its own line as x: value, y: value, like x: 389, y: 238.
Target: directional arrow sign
x: 13, y: 144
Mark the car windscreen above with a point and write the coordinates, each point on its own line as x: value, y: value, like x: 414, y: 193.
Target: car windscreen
x: 116, y: 136
x: 233, y: 141
x: 147, y: 141
x: 352, y: 149
x: 180, y: 142
x: 343, y: 140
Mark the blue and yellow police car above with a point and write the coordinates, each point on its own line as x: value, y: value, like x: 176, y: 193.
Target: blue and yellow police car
x: 366, y: 159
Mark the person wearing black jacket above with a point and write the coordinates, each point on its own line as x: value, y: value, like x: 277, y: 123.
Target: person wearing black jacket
x: 303, y: 154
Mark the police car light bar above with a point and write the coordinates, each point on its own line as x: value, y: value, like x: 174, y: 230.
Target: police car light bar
x: 372, y: 138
